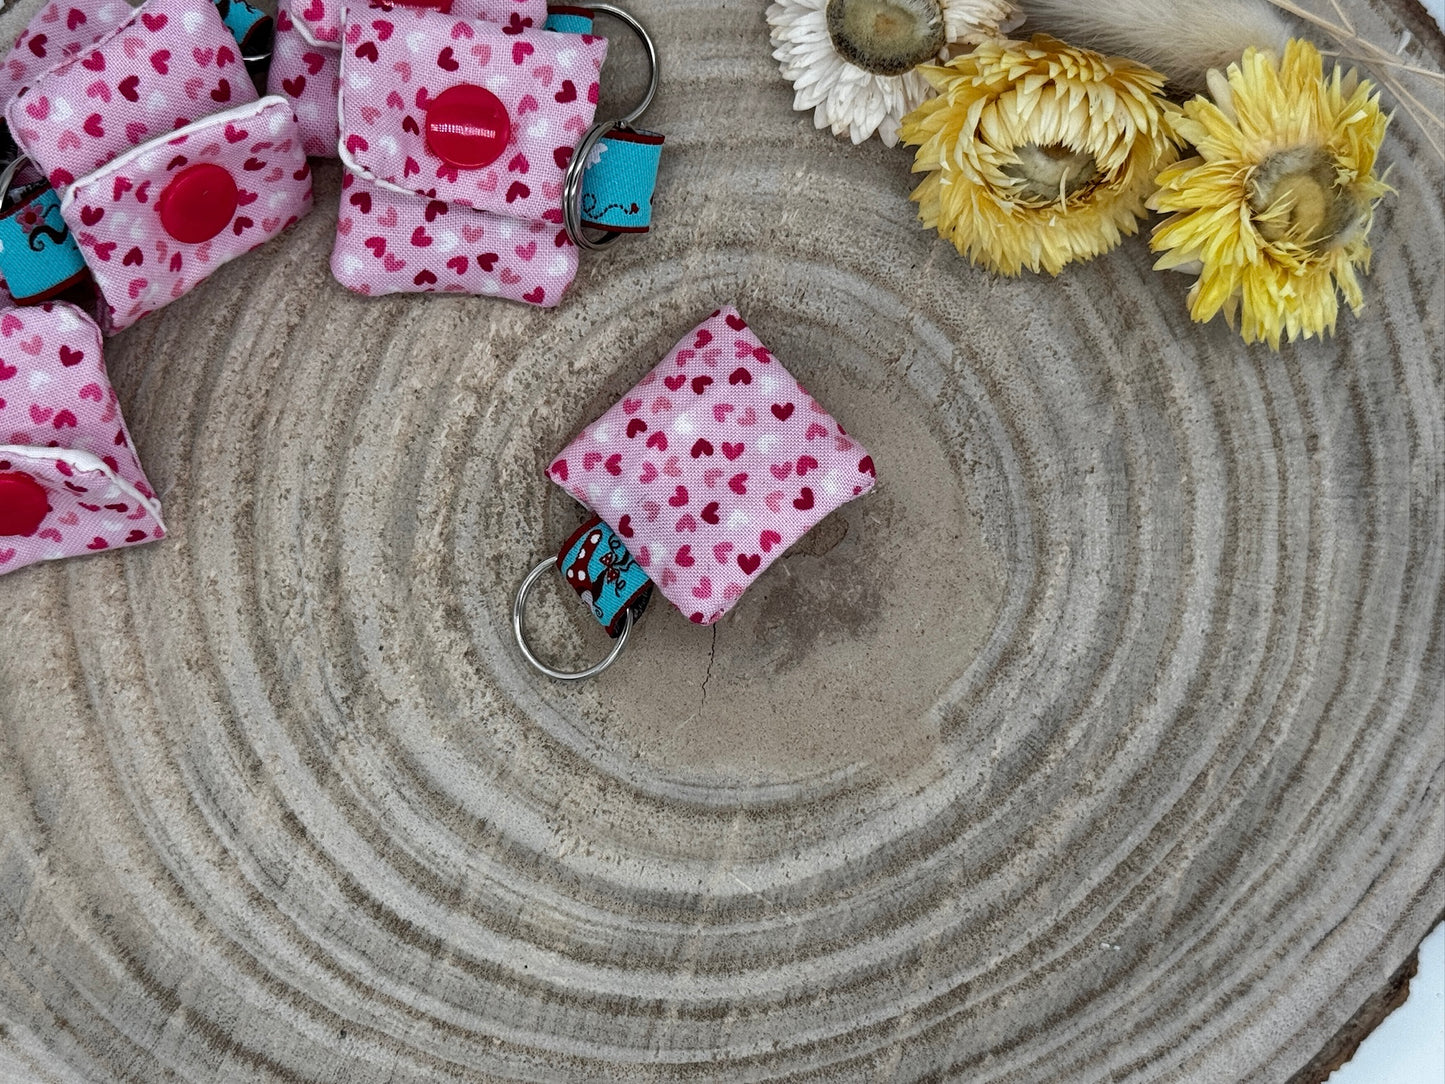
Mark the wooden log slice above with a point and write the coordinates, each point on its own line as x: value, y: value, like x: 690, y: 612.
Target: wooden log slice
x: 1102, y: 742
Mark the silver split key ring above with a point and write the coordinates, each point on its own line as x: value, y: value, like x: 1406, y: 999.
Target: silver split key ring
x: 612, y: 584
x: 519, y: 609
x: 572, y: 184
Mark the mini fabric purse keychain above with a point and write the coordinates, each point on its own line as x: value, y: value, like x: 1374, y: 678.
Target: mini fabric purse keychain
x: 70, y: 482
x: 699, y: 478
x: 162, y: 159
x: 465, y: 141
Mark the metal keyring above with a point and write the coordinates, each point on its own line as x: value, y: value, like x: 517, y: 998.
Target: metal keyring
x: 641, y: 32
x: 519, y: 608
x: 7, y: 178
x: 572, y: 183
x: 572, y: 191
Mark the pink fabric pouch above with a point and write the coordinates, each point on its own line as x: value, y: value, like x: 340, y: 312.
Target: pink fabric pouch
x: 412, y: 220
x: 158, y: 148
x: 118, y: 212
x: 70, y: 482
x: 389, y: 243
x: 306, y: 59
x: 712, y: 466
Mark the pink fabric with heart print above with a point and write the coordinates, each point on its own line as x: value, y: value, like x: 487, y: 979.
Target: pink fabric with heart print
x: 60, y: 426
x: 308, y: 76
x: 60, y: 30
x: 112, y: 212
x: 713, y: 465
x: 172, y: 63
x: 306, y: 60
x: 392, y: 67
x: 389, y: 243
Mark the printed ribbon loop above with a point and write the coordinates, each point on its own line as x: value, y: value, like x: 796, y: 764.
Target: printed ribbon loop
x: 613, y: 172
x: 596, y: 565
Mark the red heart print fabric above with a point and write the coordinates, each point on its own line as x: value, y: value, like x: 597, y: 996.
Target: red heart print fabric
x: 321, y: 20
x: 308, y: 76
x: 410, y: 221
x: 713, y: 465
x: 389, y: 243
x: 113, y: 212
x: 306, y: 62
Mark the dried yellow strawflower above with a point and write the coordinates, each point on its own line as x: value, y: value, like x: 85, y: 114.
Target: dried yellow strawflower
x: 1038, y: 153
x: 1276, y: 209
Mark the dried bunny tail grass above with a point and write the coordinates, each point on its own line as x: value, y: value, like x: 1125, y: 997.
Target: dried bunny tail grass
x: 1183, y: 39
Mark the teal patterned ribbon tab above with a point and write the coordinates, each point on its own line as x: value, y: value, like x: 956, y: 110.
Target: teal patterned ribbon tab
x: 596, y: 565
x: 251, y: 27
x: 38, y: 256
x: 569, y: 20
x: 618, y: 182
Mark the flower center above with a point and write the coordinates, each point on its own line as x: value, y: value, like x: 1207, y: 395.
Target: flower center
x: 1295, y: 199
x: 886, y: 37
x: 1050, y: 174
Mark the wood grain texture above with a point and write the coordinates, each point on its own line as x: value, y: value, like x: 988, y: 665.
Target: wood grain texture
x: 1103, y: 742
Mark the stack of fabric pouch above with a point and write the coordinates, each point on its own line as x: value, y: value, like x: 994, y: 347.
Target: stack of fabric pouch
x: 165, y: 162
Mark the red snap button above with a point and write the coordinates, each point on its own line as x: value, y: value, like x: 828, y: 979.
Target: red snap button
x: 467, y: 126
x: 198, y: 203
x: 22, y: 504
